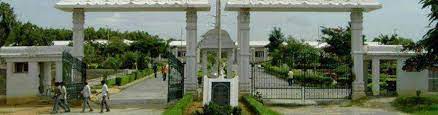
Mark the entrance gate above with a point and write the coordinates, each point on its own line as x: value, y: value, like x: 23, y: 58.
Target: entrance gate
x: 74, y: 75
x: 310, y: 81
x: 175, y: 89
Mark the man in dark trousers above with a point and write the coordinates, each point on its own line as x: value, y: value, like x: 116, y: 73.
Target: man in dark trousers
x: 155, y: 69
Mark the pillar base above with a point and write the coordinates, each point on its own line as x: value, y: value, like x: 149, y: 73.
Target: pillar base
x: 358, y: 91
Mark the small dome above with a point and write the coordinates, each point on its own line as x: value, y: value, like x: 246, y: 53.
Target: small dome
x: 210, y: 40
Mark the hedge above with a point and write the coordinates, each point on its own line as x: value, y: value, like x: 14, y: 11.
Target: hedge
x: 125, y: 79
x: 258, y: 107
x: 302, y: 77
x: 180, y: 106
x: 416, y: 103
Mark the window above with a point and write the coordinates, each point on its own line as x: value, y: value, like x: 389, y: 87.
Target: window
x: 433, y: 80
x: 259, y: 54
x: 21, y: 67
x: 181, y: 53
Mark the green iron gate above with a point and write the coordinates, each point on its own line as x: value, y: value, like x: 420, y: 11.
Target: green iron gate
x: 73, y: 74
x: 302, y: 78
x: 176, y: 78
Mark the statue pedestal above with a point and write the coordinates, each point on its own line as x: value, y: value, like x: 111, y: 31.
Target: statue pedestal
x: 221, y: 91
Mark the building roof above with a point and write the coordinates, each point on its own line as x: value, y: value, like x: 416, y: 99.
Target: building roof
x: 132, y: 5
x: 303, y: 5
x: 32, y: 51
x: 178, y: 43
x: 61, y: 43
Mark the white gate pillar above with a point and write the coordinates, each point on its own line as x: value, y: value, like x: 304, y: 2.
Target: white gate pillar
x: 47, y: 66
x: 357, y: 53
x: 190, y: 83
x: 58, y: 71
x: 78, y: 33
x: 376, y: 76
x: 204, y: 62
x: 230, y: 64
x: 244, y: 53
x: 34, y: 72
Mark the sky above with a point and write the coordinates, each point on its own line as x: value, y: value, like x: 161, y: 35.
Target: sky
x: 404, y: 17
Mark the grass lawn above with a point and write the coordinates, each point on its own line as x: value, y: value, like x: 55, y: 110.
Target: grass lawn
x: 432, y: 111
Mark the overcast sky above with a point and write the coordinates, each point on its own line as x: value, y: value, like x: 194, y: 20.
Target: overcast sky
x: 404, y: 17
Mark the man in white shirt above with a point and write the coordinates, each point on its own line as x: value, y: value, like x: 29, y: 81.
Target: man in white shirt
x: 63, y: 97
x: 105, y: 95
x: 86, y: 94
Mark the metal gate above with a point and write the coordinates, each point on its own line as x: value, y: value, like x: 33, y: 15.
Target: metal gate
x: 74, y: 75
x: 310, y: 81
x: 175, y: 89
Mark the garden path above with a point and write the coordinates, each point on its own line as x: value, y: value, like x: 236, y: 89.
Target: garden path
x: 151, y: 92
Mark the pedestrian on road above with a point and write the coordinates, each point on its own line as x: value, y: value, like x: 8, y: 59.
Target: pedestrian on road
x: 164, y: 71
x: 63, y: 99
x: 290, y: 77
x: 105, y: 96
x: 155, y: 69
x: 86, y: 94
x: 56, y: 98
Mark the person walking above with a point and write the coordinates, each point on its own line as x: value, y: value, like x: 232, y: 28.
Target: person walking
x: 105, y: 96
x: 63, y: 99
x: 290, y: 77
x: 164, y: 71
x: 155, y: 69
x: 56, y: 98
x: 86, y: 94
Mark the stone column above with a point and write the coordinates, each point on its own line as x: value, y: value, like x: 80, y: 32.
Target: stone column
x: 244, y: 53
x: 253, y: 56
x: 47, y: 66
x: 376, y: 76
x: 230, y: 64
x: 265, y: 54
x: 204, y: 62
x: 9, y: 72
x: 78, y: 33
x: 58, y: 71
x: 190, y: 82
x: 175, y: 52
x: 357, y: 53
x: 34, y: 75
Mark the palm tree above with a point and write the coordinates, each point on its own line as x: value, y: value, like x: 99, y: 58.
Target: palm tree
x: 428, y: 43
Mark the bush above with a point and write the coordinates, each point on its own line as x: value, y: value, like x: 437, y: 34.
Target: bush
x: 216, y: 109
x: 258, y: 107
x: 415, y: 103
x: 180, y: 106
x: 304, y: 78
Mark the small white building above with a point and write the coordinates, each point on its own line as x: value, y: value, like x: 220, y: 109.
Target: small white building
x: 29, y: 71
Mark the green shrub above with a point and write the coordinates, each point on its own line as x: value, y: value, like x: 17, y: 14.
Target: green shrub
x: 415, y: 103
x: 258, y: 107
x: 216, y: 109
x: 302, y: 77
x: 180, y: 106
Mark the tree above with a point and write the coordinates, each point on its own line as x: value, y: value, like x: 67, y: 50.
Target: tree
x: 113, y: 63
x: 427, y: 47
x: 338, y: 40
x: 7, y: 22
x: 276, y: 38
x: 296, y: 54
x: 393, y: 39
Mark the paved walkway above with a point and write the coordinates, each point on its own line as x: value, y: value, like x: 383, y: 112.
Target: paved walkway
x: 149, y: 93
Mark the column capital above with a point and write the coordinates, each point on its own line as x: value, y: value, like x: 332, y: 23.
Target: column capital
x: 191, y: 19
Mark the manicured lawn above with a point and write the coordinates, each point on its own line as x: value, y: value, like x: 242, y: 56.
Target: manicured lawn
x: 432, y: 111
